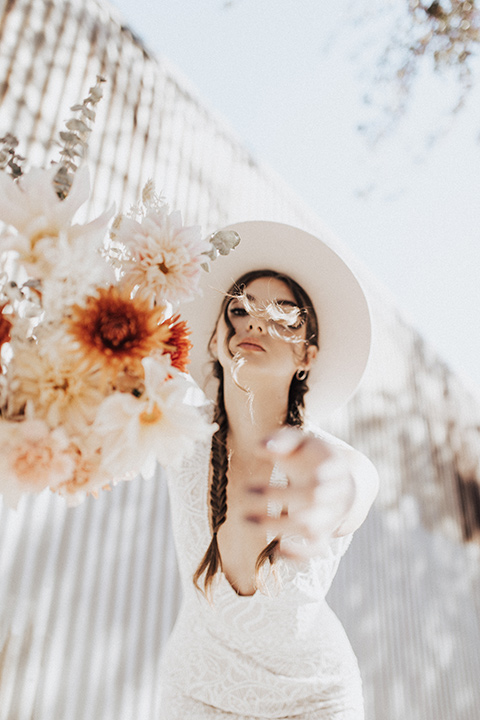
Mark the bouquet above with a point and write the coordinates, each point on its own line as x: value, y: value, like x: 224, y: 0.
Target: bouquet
x: 93, y: 358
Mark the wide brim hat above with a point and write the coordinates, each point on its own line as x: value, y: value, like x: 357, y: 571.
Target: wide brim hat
x: 336, y: 294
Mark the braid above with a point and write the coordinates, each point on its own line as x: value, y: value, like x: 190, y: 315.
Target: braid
x: 211, y: 561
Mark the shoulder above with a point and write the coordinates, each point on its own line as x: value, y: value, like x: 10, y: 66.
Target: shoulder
x: 327, y: 437
x: 359, y: 464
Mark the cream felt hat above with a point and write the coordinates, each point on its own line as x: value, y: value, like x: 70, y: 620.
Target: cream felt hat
x: 338, y: 299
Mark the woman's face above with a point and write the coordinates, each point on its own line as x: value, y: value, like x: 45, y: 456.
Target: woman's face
x: 268, y: 332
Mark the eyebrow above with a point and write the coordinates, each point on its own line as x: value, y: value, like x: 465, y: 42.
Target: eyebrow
x: 289, y: 303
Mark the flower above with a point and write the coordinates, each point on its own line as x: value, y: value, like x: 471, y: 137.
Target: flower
x: 93, y: 383
x: 114, y: 332
x: 32, y: 206
x: 160, y: 426
x: 81, y: 249
x: 5, y: 327
x: 178, y: 345
x: 165, y: 258
x: 46, y: 242
x: 87, y: 477
x: 46, y: 375
x: 32, y: 457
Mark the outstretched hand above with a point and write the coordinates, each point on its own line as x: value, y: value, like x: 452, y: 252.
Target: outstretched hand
x: 330, y: 490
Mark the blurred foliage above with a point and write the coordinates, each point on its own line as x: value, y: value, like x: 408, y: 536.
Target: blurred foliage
x: 447, y: 30
x: 443, y: 36
x: 396, y: 40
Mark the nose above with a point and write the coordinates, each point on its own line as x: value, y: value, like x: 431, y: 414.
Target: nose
x: 256, y: 324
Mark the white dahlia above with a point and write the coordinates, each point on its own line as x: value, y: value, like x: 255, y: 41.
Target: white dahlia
x: 164, y: 257
x: 160, y: 426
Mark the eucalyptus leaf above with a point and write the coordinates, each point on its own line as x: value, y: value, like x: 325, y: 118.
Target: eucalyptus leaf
x: 69, y: 137
x: 223, y: 242
x: 89, y: 113
x: 77, y: 125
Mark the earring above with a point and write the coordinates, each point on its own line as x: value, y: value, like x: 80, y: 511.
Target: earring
x: 301, y: 374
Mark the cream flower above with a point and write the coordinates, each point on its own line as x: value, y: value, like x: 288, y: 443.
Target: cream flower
x: 136, y: 433
x: 165, y: 257
x: 32, y: 457
x: 48, y: 375
x: 32, y: 206
x: 87, y: 478
x: 46, y: 241
x: 81, y: 252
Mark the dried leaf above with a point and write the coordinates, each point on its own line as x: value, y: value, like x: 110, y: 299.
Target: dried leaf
x: 225, y: 240
x: 77, y: 125
x: 9, y: 140
x: 69, y: 137
x: 96, y: 94
x: 88, y: 113
x: 16, y: 169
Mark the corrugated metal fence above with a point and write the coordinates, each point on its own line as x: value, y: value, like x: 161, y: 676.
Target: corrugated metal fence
x: 88, y: 595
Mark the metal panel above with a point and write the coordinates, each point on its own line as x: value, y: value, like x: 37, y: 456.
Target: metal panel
x: 89, y: 595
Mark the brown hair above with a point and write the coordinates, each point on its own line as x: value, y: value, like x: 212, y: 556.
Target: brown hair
x: 211, y: 561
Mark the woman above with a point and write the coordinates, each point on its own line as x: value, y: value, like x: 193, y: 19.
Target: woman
x: 262, y: 516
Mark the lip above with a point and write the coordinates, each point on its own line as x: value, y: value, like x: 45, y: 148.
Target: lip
x: 251, y: 345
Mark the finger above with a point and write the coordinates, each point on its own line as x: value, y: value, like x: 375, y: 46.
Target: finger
x: 282, y: 524
x: 309, y: 525
x: 314, y: 488
x: 301, y: 498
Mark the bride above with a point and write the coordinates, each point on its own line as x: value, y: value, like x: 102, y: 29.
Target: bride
x: 263, y: 514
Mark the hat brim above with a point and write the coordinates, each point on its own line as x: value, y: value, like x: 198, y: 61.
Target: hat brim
x: 339, y: 302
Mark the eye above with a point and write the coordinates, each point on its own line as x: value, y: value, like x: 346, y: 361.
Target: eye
x: 292, y: 318
x: 299, y: 321
x: 237, y: 311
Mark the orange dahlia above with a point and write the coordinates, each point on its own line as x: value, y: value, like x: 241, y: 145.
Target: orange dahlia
x: 178, y: 344
x: 115, y: 332
x: 5, y: 327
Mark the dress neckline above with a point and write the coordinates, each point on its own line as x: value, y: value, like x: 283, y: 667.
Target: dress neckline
x: 277, y: 479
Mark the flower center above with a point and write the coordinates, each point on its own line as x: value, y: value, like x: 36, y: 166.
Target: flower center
x: 27, y: 462
x: 118, y: 330
x: 150, y: 417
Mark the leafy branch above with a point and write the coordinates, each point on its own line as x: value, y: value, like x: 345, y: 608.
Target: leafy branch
x: 8, y: 157
x: 75, y: 139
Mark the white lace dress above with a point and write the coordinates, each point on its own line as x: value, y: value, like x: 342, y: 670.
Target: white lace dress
x: 279, y: 655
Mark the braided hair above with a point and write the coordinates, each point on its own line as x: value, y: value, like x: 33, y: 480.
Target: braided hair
x: 211, y: 561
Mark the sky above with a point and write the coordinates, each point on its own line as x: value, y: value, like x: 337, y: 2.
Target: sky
x: 292, y: 78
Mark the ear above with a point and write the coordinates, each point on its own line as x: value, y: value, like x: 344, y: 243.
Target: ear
x: 310, y: 356
x: 213, y: 345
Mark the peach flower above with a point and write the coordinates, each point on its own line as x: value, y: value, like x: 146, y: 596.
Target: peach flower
x: 32, y: 458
